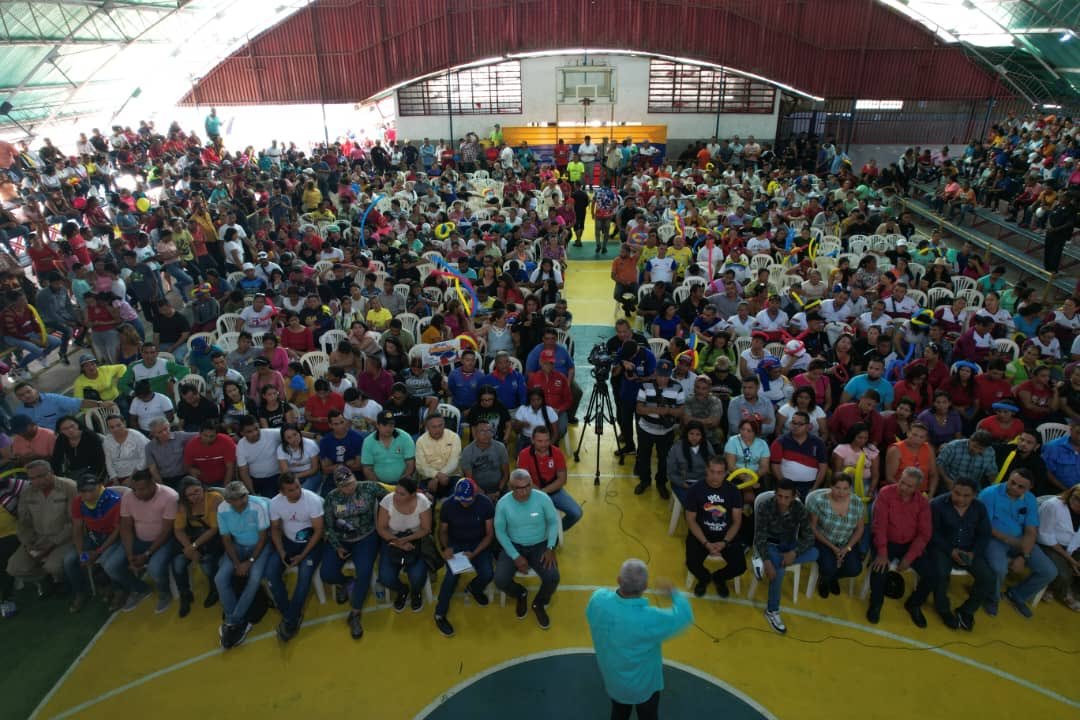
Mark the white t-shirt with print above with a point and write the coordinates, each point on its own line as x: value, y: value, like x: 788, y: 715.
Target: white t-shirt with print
x: 296, y: 516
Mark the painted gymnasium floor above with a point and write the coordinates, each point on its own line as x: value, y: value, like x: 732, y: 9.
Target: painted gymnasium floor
x: 730, y: 664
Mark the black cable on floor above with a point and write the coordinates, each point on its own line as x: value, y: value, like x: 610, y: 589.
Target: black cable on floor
x: 608, y: 494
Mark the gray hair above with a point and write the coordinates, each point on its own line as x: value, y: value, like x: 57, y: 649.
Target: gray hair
x: 42, y: 463
x: 914, y: 473
x: 235, y: 490
x: 158, y: 422
x: 633, y: 577
x: 520, y: 474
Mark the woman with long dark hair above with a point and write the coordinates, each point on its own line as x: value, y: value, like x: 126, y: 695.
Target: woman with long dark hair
x: 77, y: 449
x: 688, y: 460
x: 196, y: 532
x: 535, y: 413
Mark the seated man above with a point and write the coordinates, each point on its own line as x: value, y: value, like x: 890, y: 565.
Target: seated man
x: 388, y: 454
x: 43, y: 515
x: 438, y: 457
x: 466, y: 525
x: 713, y: 518
x: 465, y: 381
x: 30, y: 442
x: 211, y: 457
x: 526, y: 525
x: 243, y: 522
x: 900, y: 529
x: 165, y: 452
x: 147, y: 515
x: 1014, y: 524
x: 256, y: 457
x: 783, y: 537
x: 961, y: 534
x: 95, y: 520
x: 971, y: 458
x: 296, y: 529
x: 341, y: 446
x: 485, y: 461
x: 546, y: 467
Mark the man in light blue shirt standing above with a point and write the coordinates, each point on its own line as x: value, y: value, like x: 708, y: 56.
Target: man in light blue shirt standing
x: 527, y: 528
x: 628, y: 634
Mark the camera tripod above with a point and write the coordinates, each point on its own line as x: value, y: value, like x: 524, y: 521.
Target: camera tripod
x: 600, y: 409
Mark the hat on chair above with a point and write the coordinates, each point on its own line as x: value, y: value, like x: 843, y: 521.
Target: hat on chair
x: 894, y: 585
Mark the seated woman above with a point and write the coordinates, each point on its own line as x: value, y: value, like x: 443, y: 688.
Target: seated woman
x: 836, y: 517
x: 846, y: 456
x: 535, y: 412
x: 77, y: 449
x: 235, y: 405
x: 803, y: 399
x: 296, y: 339
x: 666, y: 324
x: 1059, y: 536
x: 916, y: 386
x: 687, y: 461
x: 944, y: 422
x: 404, y: 520
x: 196, y: 532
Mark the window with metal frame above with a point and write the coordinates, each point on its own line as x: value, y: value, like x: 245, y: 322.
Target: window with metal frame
x: 487, y: 90
x: 684, y: 88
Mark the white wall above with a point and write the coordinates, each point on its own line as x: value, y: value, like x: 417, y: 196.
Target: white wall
x: 539, y: 83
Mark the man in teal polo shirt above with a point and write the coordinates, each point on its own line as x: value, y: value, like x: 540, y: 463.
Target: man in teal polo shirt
x: 527, y: 528
x: 388, y: 454
x: 243, y: 522
x: 628, y: 633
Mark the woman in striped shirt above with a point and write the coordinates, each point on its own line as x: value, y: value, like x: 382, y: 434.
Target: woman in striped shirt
x: 836, y: 517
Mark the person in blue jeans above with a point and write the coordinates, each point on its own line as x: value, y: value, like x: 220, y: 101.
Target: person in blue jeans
x: 350, y: 517
x: 296, y: 531
x: 1014, y: 526
x: 95, y: 519
x: 147, y: 515
x: 546, y: 466
x: 404, y: 520
x: 244, y: 525
x: 466, y: 525
x: 783, y: 537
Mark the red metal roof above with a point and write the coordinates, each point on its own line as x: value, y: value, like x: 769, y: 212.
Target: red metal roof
x: 342, y: 51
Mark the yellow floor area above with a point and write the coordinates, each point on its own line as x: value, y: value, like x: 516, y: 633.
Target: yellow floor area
x: 831, y: 664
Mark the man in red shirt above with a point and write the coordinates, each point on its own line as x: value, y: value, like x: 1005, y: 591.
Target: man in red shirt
x: 862, y: 411
x: 555, y: 385
x: 901, y: 531
x: 561, y: 154
x: 547, y: 468
x: 319, y: 405
x: 22, y: 328
x: 991, y: 386
x: 211, y: 457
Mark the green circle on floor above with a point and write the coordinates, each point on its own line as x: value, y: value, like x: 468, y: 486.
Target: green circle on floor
x: 566, y: 684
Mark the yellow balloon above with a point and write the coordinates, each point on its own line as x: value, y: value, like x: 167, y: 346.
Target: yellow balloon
x: 745, y: 483
x: 142, y: 204
x: 443, y: 230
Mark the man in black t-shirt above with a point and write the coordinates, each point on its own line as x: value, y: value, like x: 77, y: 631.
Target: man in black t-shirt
x: 172, y: 329
x: 713, y: 516
x: 466, y: 525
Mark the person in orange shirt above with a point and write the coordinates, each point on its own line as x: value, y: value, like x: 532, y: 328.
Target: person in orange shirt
x: 624, y: 272
x: 914, y: 452
x: 704, y: 157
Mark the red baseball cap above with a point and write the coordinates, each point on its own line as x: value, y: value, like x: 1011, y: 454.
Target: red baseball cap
x: 547, y: 356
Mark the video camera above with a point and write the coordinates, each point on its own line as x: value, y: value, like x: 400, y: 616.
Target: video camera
x: 601, y: 361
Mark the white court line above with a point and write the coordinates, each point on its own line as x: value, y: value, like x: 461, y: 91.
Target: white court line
x: 700, y: 674
x: 1027, y: 684
x: 71, y: 668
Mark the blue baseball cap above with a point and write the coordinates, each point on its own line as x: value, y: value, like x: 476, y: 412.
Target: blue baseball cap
x: 464, y: 490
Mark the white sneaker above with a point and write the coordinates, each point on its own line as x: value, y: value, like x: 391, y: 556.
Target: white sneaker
x: 775, y: 621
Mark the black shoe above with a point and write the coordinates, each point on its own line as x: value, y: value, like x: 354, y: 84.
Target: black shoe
x: 417, y: 602
x: 965, y: 619
x: 641, y: 488
x: 663, y: 492
x: 701, y: 588
x: 400, y: 600
x: 225, y: 632
x: 573, y: 420
x: 834, y: 587
x: 950, y: 621
x: 243, y: 630
x: 444, y: 626
x: 916, y: 614
x: 185, y: 604
x: 355, y: 628
x: 64, y: 359
x: 480, y: 598
x: 522, y: 608
x: 823, y: 588
x: 285, y: 632
x: 341, y: 594
x: 721, y: 587
x: 542, y: 618
x: 873, y: 614
x: 624, y: 451
x: 604, y: 250
x: 211, y: 599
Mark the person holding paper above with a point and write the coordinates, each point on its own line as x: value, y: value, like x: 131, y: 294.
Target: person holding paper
x: 466, y: 531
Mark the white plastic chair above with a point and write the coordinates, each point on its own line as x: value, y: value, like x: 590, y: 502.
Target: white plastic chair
x: 1052, y: 431
x: 677, y: 513
x: 742, y: 344
x: 451, y: 415
x: 317, y: 362
x: 409, y: 323
x: 227, y: 341
x: 776, y: 349
x: 229, y: 322
x: 1005, y: 345
x: 939, y: 296
x: 795, y: 570
x: 193, y: 379
x: 918, y: 296
x: 331, y: 339
x: 974, y: 298
x: 658, y: 346
x: 211, y: 338
x: 962, y: 282
x: 759, y: 261
x: 680, y: 294
x: 644, y: 290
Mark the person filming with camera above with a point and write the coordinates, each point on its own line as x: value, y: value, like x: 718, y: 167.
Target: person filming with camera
x: 634, y: 365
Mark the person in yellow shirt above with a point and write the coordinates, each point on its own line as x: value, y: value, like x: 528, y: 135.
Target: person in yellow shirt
x: 377, y: 316
x: 575, y: 169
x: 312, y: 197
x: 102, y: 379
x: 681, y: 253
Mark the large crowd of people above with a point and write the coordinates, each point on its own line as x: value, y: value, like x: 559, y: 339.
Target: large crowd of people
x: 356, y: 365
